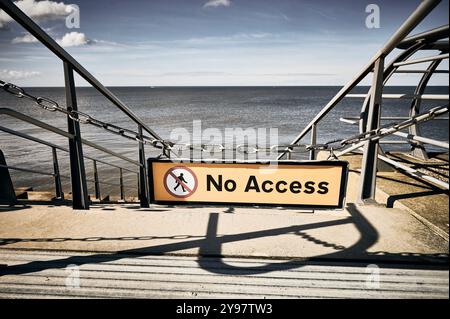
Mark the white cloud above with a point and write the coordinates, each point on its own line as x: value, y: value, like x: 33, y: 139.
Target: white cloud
x: 217, y: 3
x: 38, y: 10
x: 27, y: 38
x: 10, y: 75
x: 73, y: 39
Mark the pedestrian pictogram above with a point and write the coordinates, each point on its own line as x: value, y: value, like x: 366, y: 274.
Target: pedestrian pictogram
x: 180, y: 182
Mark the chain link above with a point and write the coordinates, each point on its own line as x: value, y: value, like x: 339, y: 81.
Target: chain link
x: 80, y: 117
x: 392, y: 128
x: 333, y: 145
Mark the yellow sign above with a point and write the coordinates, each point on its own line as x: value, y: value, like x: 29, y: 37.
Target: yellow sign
x: 312, y: 184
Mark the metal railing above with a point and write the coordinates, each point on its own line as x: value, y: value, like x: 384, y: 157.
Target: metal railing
x: 370, y: 115
x: 59, y: 194
x: 70, y: 65
x: 371, y: 132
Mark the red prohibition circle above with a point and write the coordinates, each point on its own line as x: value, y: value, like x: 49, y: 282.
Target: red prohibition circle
x: 187, y: 169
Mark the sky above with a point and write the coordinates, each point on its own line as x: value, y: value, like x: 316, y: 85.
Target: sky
x: 207, y: 42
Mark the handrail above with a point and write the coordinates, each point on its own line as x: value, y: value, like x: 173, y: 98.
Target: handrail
x: 56, y: 174
x: 58, y: 131
x: 27, y: 170
x: 413, y: 20
x: 428, y: 36
x: 50, y: 174
x: 15, y: 13
x: 70, y: 65
x: 37, y: 140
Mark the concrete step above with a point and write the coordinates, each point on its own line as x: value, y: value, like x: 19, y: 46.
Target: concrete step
x: 39, y: 196
x: 23, y: 189
x: 44, y: 274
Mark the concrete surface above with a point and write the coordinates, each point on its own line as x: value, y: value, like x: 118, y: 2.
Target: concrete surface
x: 192, y: 251
x: 425, y: 201
x: 357, y: 233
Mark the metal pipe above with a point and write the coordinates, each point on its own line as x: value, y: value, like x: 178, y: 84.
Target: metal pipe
x: 368, y: 178
x: 312, y: 152
x: 27, y: 170
x: 35, y: 122
x: 388, y: 72
x: 143, y: 186
x: 15, y: 13
x: 422, y: 60
x: 410, y: 137
x: 422, y: 139
x: 80, y: 196
x: 58, y: 186
x: 427, y: 36
x: 350, y: 149
x: 37, y: 140
x: 394, y: 142
x: 122, y: 191
x: 418, y: 149
x: 433, y: 97
x: 413, y: 20
x: 96, y: 181
x: 414, y: 172
x: 55, y: 130
x: 352, y: 119
x: 422, y: 71
x: 405, y: 168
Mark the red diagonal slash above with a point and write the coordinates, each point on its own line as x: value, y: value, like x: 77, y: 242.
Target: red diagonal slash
x: 178, y: 180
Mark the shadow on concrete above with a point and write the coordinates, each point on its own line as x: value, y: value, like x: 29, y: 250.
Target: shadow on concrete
x: 8, y: 208
x: 23, y: 204
x: 391, y: 199
x: 211, y: 259
x: 10, y: 241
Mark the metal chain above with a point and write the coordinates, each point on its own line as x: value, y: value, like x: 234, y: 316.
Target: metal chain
x: 80, y: 117
x: 333, y: 145
x: 388, y: 129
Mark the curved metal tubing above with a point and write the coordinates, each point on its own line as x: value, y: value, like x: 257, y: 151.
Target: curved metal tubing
x: 388, y: 72
x: 418, y: 149
x: 413, y: 20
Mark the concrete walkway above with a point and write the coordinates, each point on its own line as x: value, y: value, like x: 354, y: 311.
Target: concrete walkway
x: 38, y: 243
x: 357, y: 233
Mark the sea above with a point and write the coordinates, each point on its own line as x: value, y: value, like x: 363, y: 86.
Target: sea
x: 281, y: 112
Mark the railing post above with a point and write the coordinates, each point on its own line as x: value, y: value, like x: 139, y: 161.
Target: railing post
x: 369, y: 163
x: 58, y: 187
x: 312, y: 152
x: 122, y: 191
x: 96, y: 181
x: 143, y: 186
x: 80, y: 199
x: 7, y: 193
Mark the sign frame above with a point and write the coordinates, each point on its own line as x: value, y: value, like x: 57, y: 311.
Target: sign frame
x: 342, y: 192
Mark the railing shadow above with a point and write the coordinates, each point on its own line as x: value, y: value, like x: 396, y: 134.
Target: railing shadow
x: 211, y: 246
